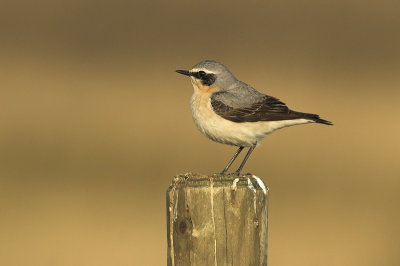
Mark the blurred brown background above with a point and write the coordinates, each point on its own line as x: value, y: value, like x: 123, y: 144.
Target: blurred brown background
x: 94, y: 123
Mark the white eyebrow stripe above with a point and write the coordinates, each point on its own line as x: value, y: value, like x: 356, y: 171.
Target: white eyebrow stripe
x: 200, y: 69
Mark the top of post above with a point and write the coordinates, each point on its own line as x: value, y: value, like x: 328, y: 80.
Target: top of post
x: 217, y: 180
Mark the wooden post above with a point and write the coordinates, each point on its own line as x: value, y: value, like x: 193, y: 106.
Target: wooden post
x: 217, y: 220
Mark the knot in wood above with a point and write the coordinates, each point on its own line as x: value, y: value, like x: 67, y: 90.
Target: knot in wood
x: 183, y: 226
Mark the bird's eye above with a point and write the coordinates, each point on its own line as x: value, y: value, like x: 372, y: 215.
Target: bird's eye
x: 202, y: 74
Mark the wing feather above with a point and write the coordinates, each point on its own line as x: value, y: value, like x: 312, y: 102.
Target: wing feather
x: 266, y: 108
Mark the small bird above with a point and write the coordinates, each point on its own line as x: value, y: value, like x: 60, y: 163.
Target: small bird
x: 229, y: 111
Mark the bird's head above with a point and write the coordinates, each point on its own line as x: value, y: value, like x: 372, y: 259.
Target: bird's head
x: 210, y: 73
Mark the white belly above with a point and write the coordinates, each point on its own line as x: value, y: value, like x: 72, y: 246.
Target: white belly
x: 224, y: 131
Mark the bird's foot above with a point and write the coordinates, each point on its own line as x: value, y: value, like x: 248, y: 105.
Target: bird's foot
x: 222, y: 173
x: 236, y: 173
x: 240, y: 174
x: 232, y: 174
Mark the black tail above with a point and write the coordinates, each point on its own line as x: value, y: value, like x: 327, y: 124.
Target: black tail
x: 322, y: 121
x: 314, y: 117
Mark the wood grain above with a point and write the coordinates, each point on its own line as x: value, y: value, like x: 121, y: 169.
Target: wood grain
x: 217, y: 220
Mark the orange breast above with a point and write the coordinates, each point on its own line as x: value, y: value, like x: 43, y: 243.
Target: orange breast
x: 203, y: 89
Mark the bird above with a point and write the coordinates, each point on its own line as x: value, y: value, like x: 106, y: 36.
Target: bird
x: 231, y: 112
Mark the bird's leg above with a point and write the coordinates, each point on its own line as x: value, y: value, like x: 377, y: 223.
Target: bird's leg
x: 232, y: 160
x: 244, y: 160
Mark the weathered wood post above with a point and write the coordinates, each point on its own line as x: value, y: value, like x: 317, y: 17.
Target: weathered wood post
x: 217, y: 220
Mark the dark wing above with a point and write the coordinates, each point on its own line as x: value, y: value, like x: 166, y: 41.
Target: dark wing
x: 267, y: 108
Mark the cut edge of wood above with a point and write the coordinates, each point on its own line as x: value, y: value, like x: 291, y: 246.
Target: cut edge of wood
x: 218, y: 180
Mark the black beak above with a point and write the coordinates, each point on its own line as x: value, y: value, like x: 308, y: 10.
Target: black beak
x: 184, y: 72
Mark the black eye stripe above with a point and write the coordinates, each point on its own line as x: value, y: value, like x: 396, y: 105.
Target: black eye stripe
x: 199, y: 74
x: 208, y: 79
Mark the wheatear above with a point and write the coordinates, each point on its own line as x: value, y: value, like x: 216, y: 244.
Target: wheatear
x: 232, y: 112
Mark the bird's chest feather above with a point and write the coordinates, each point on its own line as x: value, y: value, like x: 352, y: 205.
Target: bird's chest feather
x: 203, y: 115
x: 215, y: 127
